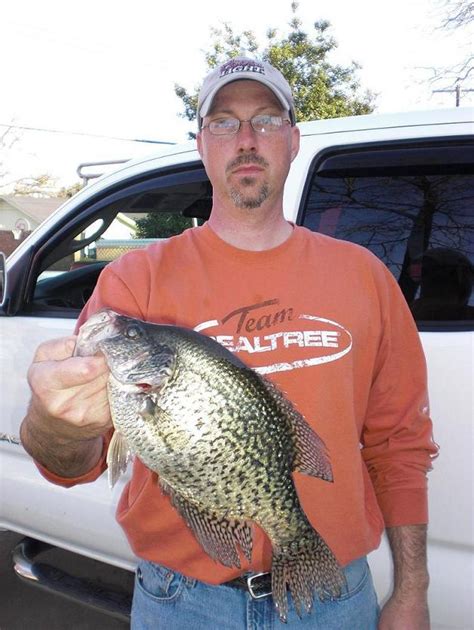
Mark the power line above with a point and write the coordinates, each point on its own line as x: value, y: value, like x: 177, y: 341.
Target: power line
x: 457, y: 90
x: 79, y: 133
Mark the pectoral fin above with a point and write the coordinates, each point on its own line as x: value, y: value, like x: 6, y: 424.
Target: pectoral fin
x: 118, y: 456
x: 148, y: 408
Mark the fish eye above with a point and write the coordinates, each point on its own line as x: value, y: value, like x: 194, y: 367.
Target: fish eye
x: 133, y: 332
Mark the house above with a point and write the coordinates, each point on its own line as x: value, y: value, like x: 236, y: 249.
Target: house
x: 26, y: 213
x: 20, y: 215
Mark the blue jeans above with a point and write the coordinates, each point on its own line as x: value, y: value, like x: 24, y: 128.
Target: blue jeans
x: 166, y: 600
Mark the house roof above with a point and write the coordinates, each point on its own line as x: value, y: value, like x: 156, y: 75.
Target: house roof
x: 37, y: 208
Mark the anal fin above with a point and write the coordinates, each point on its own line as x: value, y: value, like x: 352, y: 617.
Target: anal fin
x: 219, y: 536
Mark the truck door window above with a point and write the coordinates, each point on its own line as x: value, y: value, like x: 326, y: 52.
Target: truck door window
x: 70, y: 269
x: 416, y: 213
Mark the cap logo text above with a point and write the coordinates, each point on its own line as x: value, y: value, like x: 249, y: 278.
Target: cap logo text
x: 235, y: 65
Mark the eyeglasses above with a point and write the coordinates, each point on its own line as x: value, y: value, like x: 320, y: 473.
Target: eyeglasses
x: 263, y: 123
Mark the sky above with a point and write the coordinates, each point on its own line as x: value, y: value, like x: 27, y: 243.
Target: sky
x: 108, y: 67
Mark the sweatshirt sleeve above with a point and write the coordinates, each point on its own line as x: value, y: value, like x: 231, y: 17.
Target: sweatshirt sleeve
x: 89, y: 476
x: 397, y: 440
x: 115, y: 290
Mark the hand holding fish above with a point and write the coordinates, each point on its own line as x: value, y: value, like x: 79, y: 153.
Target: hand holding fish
x: 69, y: 409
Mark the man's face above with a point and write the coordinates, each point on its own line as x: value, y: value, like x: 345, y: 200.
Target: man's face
x: 247, y: 168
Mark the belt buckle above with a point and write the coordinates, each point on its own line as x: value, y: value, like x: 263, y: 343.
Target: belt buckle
x: 250, y: 586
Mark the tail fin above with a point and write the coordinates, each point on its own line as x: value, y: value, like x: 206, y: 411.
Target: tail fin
x: 304, y: 566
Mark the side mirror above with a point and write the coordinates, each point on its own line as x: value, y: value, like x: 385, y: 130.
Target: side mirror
x: 3, y: 278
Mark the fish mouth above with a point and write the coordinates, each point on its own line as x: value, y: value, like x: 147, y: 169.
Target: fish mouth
x: 98, y: 327
x: 133, y: 369
x: 93, y: 337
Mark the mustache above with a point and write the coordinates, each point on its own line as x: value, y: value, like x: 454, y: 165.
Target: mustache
x: 247, y: 158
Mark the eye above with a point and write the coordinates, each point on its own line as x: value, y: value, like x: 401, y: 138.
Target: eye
x: 133, y: 332
x: 265, y: 123
x: 224, y: 125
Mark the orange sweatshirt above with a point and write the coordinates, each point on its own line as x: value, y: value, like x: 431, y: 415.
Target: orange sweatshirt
x: 325, y: 320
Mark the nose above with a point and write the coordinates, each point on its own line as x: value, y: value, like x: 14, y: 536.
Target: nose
x: 246, y: 137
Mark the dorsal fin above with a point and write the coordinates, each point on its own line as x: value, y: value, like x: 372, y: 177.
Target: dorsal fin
x: 311, y: 457
x: 310, y: 453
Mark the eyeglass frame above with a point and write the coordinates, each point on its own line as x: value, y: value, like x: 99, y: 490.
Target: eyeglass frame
x: 233, y: 133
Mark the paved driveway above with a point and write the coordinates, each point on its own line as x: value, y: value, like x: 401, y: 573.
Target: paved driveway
x: 24, y: 606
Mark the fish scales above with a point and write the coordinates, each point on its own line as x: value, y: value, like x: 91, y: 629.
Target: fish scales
x: 224, y: 443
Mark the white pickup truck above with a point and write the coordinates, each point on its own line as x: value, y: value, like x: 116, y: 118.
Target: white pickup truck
x: 401, y: 185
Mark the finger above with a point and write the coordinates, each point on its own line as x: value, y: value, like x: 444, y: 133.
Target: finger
x: 81, y: 371
x: 56, y: 349
x: 82, y: 407
x: 69, y: 373
x: 73, y: 390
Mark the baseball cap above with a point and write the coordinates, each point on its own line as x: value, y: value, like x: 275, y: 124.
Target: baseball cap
x: 240, y: 68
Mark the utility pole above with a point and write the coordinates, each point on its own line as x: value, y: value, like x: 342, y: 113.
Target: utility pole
x: 457, y: 89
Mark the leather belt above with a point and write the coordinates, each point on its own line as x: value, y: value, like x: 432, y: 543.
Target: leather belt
x: 258, y: 585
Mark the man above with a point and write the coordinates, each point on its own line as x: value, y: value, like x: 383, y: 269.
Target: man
x: 248, y: 272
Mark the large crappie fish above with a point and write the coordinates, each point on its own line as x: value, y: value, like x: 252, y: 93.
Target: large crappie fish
x: 224, y: 443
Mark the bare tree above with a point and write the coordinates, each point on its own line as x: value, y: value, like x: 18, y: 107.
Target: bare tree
x: 8, y: 137
x: 455, y: 15
x: 43, y: 185
x: 397, y: 217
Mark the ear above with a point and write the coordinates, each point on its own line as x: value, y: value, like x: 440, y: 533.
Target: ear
x: 199, y: 143
x: 295, y: 142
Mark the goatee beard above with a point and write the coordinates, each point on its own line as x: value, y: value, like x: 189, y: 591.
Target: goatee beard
x: 249, y: 202
x: 240, y: 199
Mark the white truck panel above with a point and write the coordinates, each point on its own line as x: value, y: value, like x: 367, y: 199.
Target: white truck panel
x: 82, y: 519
